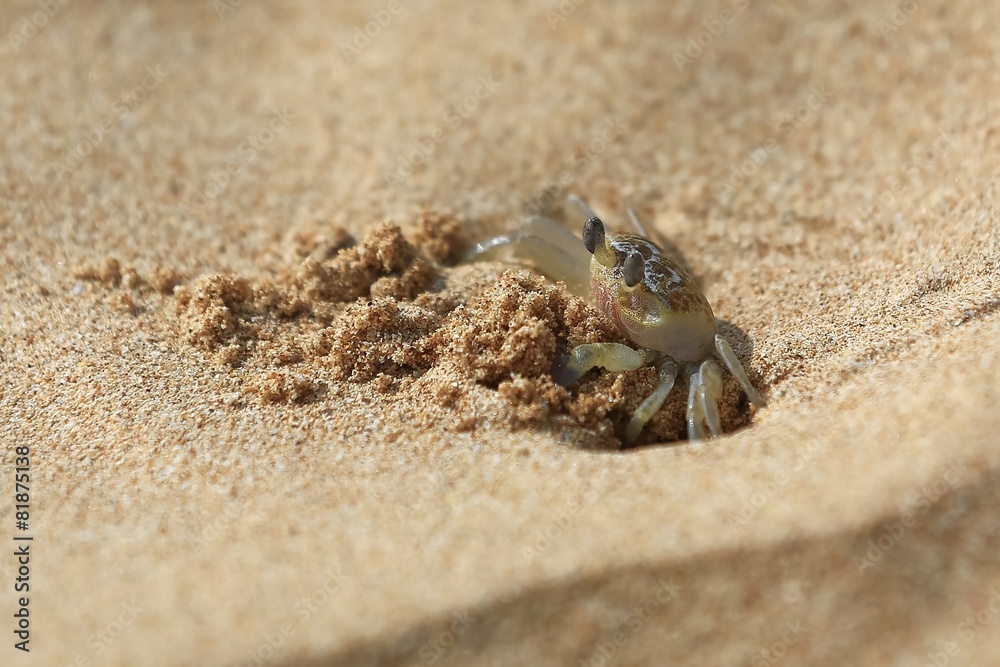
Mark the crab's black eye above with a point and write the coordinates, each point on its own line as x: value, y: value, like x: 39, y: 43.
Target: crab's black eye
x: 634, y: 269
x: 593, y: 233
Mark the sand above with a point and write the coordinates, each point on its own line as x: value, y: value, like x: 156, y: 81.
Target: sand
x: 271, y: 418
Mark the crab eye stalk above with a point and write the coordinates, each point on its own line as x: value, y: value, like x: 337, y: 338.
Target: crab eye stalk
x: 634, y: 269
x: 593, y: 233
x: 596, y: 241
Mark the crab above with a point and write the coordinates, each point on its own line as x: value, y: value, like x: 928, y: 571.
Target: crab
x: 649, y: 296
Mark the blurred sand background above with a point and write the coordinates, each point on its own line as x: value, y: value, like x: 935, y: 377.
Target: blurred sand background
x: 203, y: 495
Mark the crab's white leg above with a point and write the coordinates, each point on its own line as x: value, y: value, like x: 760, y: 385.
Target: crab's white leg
x: 640, y: 228
x: 709, y: 394
x: 575, y: 204
x: 612, y: 356
x: 667, y: 371
x: 695, y: 414
x: 732, y: 362
x: 556, y: 252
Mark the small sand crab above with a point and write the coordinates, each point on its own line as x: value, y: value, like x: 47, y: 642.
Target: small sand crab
x: 650, y: 297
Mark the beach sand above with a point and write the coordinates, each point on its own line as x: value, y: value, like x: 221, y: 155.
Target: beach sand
x: 271, y: 418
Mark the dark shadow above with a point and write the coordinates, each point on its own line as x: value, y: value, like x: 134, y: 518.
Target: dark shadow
x: 733, y: 603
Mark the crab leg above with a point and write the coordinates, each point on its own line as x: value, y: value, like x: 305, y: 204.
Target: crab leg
x: 556, y: 252
x: 612, y: 356
x: 667, y: 371
x: 709, y: 394
x: 695, y: 413
x: 725, y: 352
x: 582, y: 208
